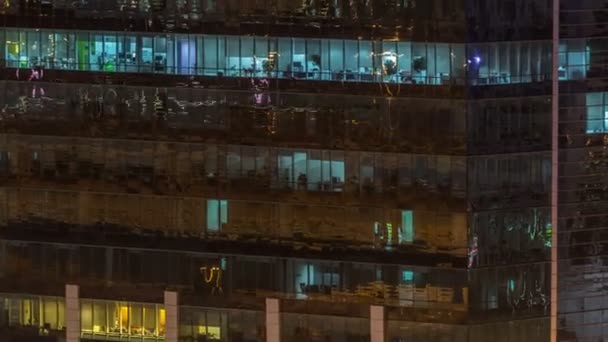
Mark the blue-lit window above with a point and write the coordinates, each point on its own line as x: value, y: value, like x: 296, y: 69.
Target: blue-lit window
x: 574, y: 56
x: 217, y: 214
x: 597, y: 113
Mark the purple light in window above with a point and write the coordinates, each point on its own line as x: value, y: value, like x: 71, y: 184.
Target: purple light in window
x: 477, y: 59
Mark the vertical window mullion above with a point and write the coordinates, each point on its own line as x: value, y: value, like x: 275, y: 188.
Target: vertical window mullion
x: 239, y: 57
x: 107, y: 326
x: 306, y: 57
x: 343, y: 59
x: 226, y: 67
x: 129, y: 312
x: 358, y: 71
x: 203, y: 55
x: 450, y: 62
x: 156, y: 326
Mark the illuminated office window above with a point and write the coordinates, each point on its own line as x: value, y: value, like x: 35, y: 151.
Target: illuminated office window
x: 407, y: 227
x: 574, y: 59
x: 103, y: 319
x: 294, y: 58
x: 597, y: 113
x: 407, y: 277
x: 511, y: 285
x: 217, y: 214
x: 45, y: 313
x: 313, y: 170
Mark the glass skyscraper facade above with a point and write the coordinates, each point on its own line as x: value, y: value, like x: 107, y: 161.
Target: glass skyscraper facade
x: 315, y: 170
x: 582, y: 174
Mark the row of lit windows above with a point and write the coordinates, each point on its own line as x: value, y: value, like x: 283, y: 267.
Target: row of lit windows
x: 99, y: 318
x: 124, y: 321
x: 44, y: 313
x: 110, y: 319
x: 293, y: 58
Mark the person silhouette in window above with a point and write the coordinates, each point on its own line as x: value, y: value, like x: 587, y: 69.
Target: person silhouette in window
x: 36, y: 74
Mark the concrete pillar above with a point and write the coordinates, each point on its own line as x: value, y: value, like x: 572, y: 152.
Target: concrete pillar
x: 72, y: 313
x: 273, y: 320
x: 171, y: 316
x: 377, y: 324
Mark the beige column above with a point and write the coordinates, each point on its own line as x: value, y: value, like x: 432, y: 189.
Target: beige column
x: 72, y: 313
x: 377, y: 324
x: 273, y: 320
x: 172, y: 316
